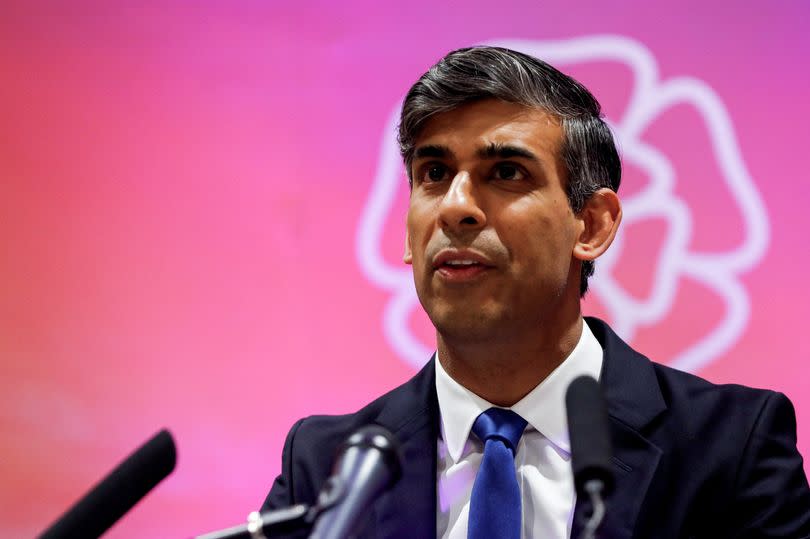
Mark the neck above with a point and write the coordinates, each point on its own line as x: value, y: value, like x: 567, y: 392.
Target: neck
x: 505, y: 368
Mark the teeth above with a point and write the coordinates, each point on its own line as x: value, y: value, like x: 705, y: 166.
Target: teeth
x: 461, y: 262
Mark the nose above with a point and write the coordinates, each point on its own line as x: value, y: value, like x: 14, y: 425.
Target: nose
x: 460, y: 210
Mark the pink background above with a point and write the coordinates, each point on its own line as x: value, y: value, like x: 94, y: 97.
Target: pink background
x: 180, y: 190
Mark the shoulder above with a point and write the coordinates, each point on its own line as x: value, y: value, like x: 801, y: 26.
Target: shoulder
x: 393, y: 410
x: 313, y: 442
x: 729, y: 451
x: 740, y: 443
x: 687, y: 392
x: 643, y: 390
x: 694, y: 422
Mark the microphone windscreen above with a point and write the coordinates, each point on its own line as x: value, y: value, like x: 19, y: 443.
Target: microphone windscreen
x: 368, y: 463
x: 119, y: 491
x: 589, y: 432
x: 377, y: 438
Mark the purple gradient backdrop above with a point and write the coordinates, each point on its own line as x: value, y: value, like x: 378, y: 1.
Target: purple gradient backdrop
x: 180, y: 186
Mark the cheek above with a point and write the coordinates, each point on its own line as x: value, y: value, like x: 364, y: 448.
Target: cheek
x: 417, y: 238
x: 543, y: 244
x: 418, y: 222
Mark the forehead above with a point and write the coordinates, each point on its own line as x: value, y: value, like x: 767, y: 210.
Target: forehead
x: 479, y: 124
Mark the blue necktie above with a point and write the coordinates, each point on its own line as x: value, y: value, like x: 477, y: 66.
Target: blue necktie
x: 495, y: 501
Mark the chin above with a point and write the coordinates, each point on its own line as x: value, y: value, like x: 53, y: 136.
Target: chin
x: 470, y: 324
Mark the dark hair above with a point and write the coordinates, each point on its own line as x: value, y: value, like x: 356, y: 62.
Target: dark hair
x: 470, y: 74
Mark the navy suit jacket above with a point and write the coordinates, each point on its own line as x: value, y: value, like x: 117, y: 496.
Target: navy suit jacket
x: 691, y: 459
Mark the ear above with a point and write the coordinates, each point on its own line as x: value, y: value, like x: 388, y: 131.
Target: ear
x: 408, y: 256
x: 600, y: 220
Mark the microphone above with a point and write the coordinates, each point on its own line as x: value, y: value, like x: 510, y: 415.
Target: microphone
x: 368, y: 463
x: 590, y: 446
x: 121, y: 489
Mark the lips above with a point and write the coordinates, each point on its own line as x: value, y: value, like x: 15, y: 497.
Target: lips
x: 460, y: 266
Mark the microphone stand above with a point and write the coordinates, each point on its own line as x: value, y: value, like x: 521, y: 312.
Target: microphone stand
x: 266, y: 524
x: 594, y: 488
x: 367, y: 464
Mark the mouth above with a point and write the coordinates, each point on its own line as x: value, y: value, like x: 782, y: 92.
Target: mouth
x: 460, y: 267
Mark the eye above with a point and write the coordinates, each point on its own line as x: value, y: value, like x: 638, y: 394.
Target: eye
x: 435, y: 173
x: 508, y: 171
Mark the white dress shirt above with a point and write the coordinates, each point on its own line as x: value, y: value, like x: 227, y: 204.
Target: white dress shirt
x: 542, y: 461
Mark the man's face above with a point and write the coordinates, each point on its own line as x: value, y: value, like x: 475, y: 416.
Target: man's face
x: 490, y: 232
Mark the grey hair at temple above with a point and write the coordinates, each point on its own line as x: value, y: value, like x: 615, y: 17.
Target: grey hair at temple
x: 475, y: 73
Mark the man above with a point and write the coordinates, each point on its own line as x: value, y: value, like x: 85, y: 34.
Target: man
x: 513, y: 196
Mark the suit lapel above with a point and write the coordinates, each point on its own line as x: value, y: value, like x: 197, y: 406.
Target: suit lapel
x: 634, y: 400
x: 408, y: 510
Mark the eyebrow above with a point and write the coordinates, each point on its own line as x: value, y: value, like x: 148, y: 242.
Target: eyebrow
x: 493, y: 150
x: 505, y: 151
x: 432, y: 150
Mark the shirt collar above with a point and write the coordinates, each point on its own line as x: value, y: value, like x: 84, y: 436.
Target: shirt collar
x: 543, y: 408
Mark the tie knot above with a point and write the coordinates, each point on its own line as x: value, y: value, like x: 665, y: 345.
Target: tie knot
x: 501, y: 424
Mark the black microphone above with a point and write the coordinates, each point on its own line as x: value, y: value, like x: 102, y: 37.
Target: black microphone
x: 588, y: 429
x: 123, y: 487
x: 368, y: 463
